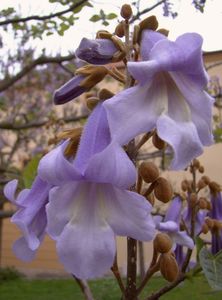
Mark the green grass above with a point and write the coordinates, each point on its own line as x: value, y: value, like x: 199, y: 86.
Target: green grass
x: 105, y: 289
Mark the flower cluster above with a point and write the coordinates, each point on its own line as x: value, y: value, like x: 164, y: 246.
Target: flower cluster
x: 83, y: 200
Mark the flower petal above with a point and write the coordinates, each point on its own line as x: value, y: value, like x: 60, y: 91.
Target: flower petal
x: 128, y: 213
x: 183, y: 239
x: 169, y: 226
x: 174, y: 210
x: 94, y: 139
x: 134, y: 111
x: 86, y: 246
x: 149, y: 39
x: 69, y: 90
x: 183, y: 138
x: 22, y: 250
x: 113, y: 166
x: 10, y: 189
x: 99, y: 51
x: 200, y: 104
x: 55, y: 168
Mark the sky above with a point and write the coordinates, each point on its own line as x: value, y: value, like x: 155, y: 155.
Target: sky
x: 208, y: 24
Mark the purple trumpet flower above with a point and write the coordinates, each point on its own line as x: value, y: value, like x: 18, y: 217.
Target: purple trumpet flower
x: 98, y: 52
x: 90, y: 203
x: 171, y: 225
x: 169, y: 96
x: 30, y: 216
x: 216, y: 214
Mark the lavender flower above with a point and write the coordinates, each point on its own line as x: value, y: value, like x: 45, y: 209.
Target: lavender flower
x: 169, y: 96
x: 30, y: 217
x: 90, y: 203
x: 99, y: 51
x: 171, y: 225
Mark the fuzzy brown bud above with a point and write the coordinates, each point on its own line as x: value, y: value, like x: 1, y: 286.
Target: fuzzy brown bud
x: 126, y: 11
x: 206, y: 179
x: 201, y: 184
x: 163, y: 190
x: 149, y: 23
x: 205, y: 228
x: 201, y: 169
x: 105, y: 94
x: 157, y: 142
x: 163, y: 31
x: 162, y: 243
x: 214, y: 187
x: 92, y: 102
x: 196, y: 163
x: 119, y: 30
x: 168, y: 267
x: 148, y: 171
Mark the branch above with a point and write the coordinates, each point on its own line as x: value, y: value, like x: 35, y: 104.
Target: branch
x: 140, y: 13
x: 214, y: 65
x: 43, y: 18
x: 5, y: 84
x: 84, y: 288
x: 6, y: 214
x: 12, y: 126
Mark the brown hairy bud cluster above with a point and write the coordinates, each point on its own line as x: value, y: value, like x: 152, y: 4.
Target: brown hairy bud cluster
x: 148, y: 171
x: 119, y: 30
x: 209, y: 222
x: 184, y: 185
x: 196, y: 163
x: 126, y: 11
x: 157, y: 142
x: 201, y: 169
x: 169, y: 267
x: 162, y: 243
x: 213, y: 224
x: 163, y: 190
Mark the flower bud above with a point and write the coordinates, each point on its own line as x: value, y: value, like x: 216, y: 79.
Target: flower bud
x: 119, y: 30
x: 163, y: 31
x: 105, y: 94
x: 157, y: 142
x: 92, y: 102
x: 162, y: 243
x: 201, y: 184
x: 168, y: 267
x: 184, y: 185
x: 206, y: 179
x: 149, y: 23
x: 148, y: 171
x: 214, y: 187
x: 163, y: 190
x: 126, y: 11
x: 201, y: 169
x: 196, y: 163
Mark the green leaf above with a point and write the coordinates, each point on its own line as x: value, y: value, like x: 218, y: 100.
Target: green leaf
x: 95, y: 18
x: 212, y: 267
x: 63, y: 28
x: 30, y: 171
x: 111, y: 16
x: 105, y: 23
